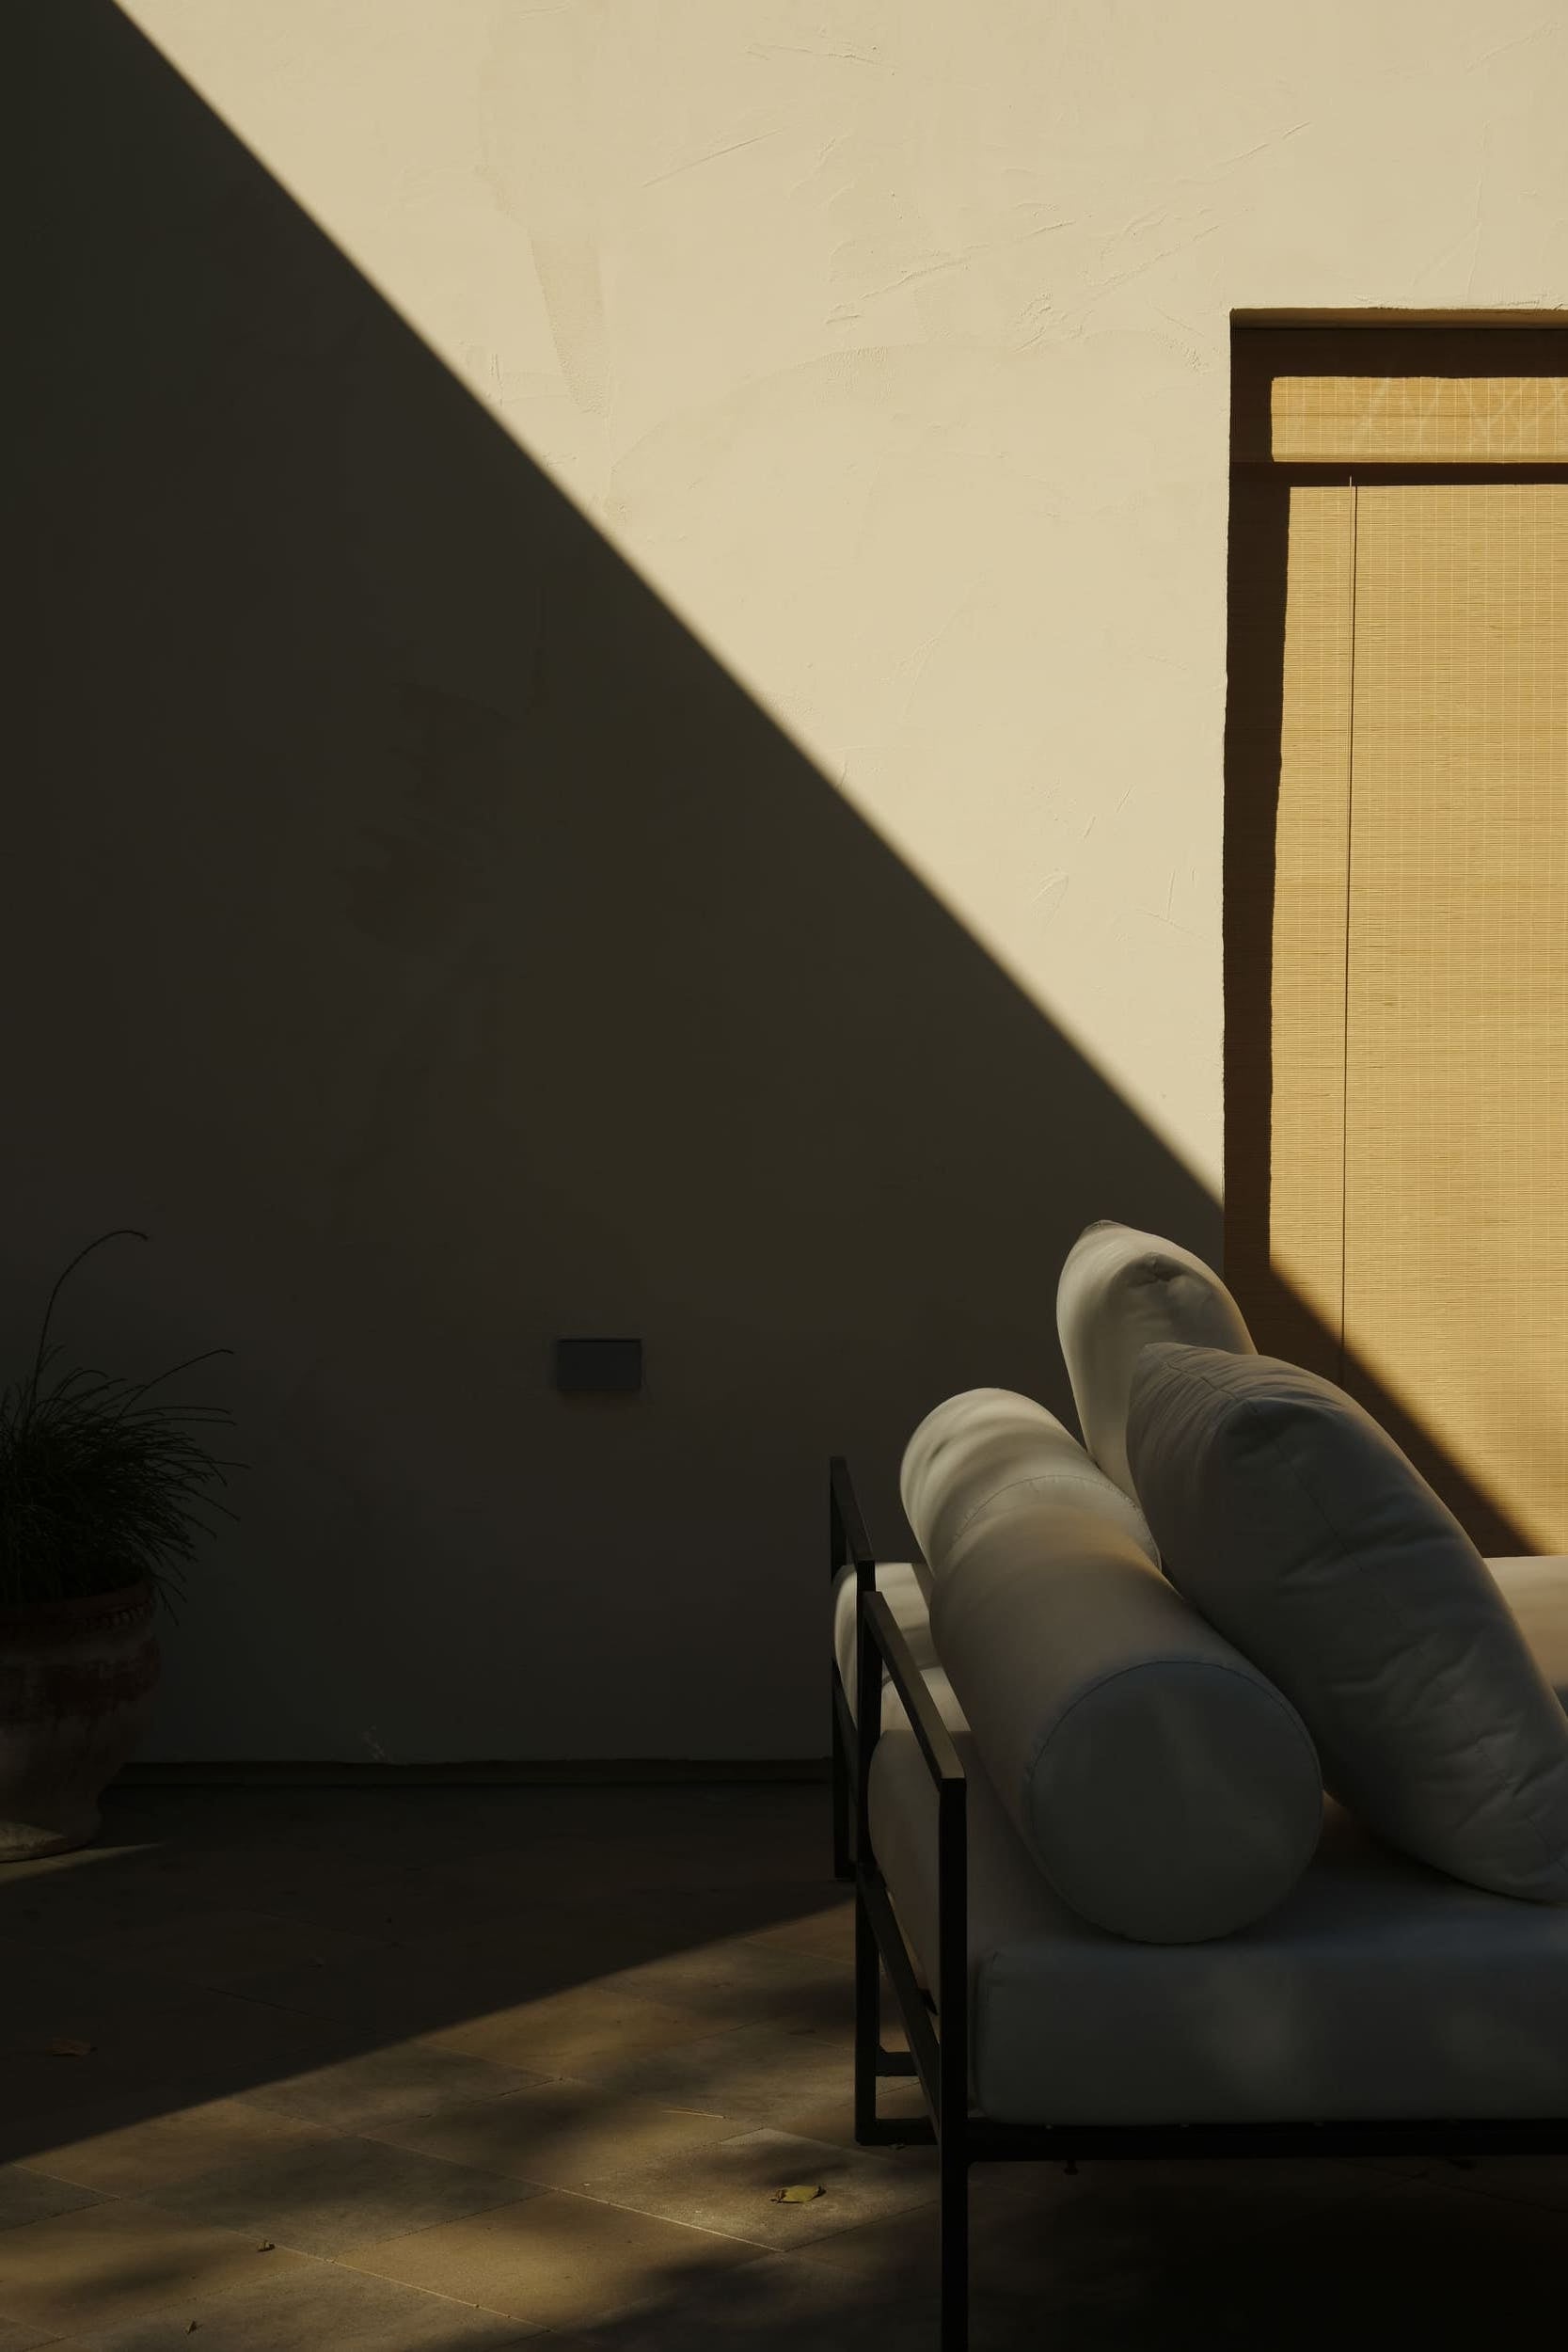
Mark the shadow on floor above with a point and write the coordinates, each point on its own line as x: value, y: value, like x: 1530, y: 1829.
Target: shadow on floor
x: 219, y: 1941
x: 560, y: 2051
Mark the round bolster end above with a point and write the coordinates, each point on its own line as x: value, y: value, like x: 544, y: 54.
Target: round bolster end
x: 1175, y: 1801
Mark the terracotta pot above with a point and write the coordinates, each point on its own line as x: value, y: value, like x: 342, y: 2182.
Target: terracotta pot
x: 76, y: 1684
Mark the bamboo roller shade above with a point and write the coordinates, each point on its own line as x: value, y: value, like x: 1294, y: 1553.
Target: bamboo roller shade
x: 1419, y: 419
x: 1419, y: 1143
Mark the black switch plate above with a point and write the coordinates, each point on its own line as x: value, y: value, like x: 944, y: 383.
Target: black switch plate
x: 599, y: 1367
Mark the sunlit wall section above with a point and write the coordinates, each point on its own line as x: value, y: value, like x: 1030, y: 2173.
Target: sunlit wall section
x: 889, y: 340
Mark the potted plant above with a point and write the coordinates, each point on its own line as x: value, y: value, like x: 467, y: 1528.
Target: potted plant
x: 100, y: 1495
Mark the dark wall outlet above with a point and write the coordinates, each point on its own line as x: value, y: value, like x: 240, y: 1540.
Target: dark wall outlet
x: 599, y: 1367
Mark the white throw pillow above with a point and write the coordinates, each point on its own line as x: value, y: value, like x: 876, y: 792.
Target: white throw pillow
x: 1295, y: 1524
x: 1119, y: 1289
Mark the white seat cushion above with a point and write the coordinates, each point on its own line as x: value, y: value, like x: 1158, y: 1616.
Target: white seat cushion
x: 1537, y: 1591
x: 1378, y: 1988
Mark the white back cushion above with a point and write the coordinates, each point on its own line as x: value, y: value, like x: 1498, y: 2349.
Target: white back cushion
x: 1300, y: 1530
x: 1119, y: 1289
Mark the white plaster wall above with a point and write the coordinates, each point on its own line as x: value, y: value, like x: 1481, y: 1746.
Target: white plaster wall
x: 889, y: 337
x: 437, y: 959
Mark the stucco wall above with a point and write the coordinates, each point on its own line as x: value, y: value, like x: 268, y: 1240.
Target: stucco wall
x: 449, y: 955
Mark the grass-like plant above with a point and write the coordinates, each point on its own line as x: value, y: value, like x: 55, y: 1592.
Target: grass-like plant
x: 101, y: 1487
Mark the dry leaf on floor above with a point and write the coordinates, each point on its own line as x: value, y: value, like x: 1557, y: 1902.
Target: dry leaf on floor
x: 266, y: 2247
x: 63, y: 2046
x: 801, y: 2193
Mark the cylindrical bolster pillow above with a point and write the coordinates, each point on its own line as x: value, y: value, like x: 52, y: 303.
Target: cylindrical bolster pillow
x: 1167, y: 1790
x: 990, y: 1441
x: 1118, y: 1290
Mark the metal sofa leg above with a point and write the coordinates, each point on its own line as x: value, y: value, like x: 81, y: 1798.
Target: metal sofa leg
x: 843, y: 1860
x: 868, y: 2022
x: 954, y: 2224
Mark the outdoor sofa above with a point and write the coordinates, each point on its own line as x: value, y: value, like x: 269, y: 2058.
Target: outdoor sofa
x: 1087, y: 1825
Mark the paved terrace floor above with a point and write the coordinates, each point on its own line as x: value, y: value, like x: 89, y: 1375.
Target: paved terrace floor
x: 454, y: 2070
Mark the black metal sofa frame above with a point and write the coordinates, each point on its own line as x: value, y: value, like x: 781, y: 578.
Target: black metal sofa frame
x: 938, y: 2033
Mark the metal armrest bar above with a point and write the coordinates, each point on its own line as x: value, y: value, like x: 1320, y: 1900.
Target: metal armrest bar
x: 942, y: 1759
x: 851, y: 1546
x: 848, y: 1546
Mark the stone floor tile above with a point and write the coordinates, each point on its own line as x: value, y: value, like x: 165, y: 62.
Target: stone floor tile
x: 562, y: 2134
x: 1249, y: 2184
x: 693, y: 1948
x: 669, y: 1842
x: 129, y: 1892
x: 415, y: 1827
x: 319, y: 2307
x: 48, y: 1996
x: 331, y: 2196
x: 570, y: 1867
x: 828, y: 1933
x: 358, y: 1893
x: 1145, y: 2265
x: 209, y: 2044
x: 31, y: 1972
x: 139, y: 2150
x: 732, y: 2186
x: 830, y: 2114
x: 556, y: 2260
x: 362, y: 2095
x: 688, y: 1914
x: 45, y: 2099
x: 630, y: 1928
x: 755, y: 2073
x: 432, y: 1982
x: 1526, y: 2180
x: 16, y: 2335
x: 732, y: 1981
x: 26, y: 2195
x: 116, y: 2261
x: 582, y: 2032
x: 777, y: 2303
x: 403, y: 1990
x: 363, y: 1895
x: 901, y: 2248
x: 224, y: 1947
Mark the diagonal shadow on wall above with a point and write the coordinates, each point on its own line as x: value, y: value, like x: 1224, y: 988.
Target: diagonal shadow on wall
x: 438, y: 951
x: 426, y: 938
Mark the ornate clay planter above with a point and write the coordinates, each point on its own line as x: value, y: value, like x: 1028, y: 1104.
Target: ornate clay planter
x: 76, y: 1684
